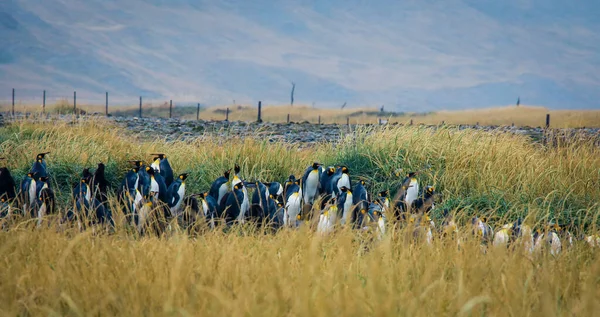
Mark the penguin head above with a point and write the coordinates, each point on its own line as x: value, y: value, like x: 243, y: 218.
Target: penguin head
x: 330, y: 170
x: 345, y: 170
x: 159, y: 156
x: 41, y: 156
x: 47, y: 197
x: 345, y: 189
x: 412, y: 174
x: 362, y: 182
x: 135, y: 169
x: 150, y: 170
x: 44, y: 179
x: 183, y: 176
x: 384, y: 193
x: 430, y: 190
x: 239, y: 186
x: 227, y: 173
x: 291, y: 180
x: 316, y: 165
x: 136, y: 163
x: 236, y: 168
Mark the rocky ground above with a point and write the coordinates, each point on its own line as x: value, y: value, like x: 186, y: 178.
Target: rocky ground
x: 303, y: 133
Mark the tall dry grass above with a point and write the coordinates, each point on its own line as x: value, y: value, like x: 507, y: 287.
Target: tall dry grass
x: 503, y: 176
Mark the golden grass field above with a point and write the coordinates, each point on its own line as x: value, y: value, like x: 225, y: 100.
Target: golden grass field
x: 50, y: 272
x: 533, y: 116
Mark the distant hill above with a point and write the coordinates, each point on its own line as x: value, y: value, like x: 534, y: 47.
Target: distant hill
x: 358, y: 53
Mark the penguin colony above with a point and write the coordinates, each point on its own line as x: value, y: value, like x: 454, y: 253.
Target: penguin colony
x: 325, y: 198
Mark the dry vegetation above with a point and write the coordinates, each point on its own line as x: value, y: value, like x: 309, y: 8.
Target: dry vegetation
x: 500, y: 116
x: 296, y: 273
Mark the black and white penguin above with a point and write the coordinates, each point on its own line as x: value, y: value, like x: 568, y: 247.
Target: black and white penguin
x: 220, y: 186
x: 163, y: 167
x: 311, y: 183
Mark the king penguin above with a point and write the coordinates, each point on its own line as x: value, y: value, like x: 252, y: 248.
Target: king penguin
x: 412, y: 192
x: 158, y: 188
x: 209, y: 209
x: 340, y: 179
x: 27, y: 192
x: 220, y: 186
x: 276, y: 189
x: 328, y: 217
x: 176, y: 194
x: 310, y: 183
x: 259, y: 210
x: 399, y: 200
x: 325, y: 181
x: 232, y: 203
x: 39, y: 166
x: 293, y: 205
x: 45, y: 204
x: 345, y: 206
x: 162, y: 165
x: 360, y: 197
x: 99, y: 183
x: 426, y: 202
x: 144, y: 182
x: 245, y: 203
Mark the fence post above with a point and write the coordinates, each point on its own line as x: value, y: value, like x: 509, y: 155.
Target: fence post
x: 75, y: 103
x: 319, y: 119
x: 170, y: 109
x: 13, y: 102
x: 288, y: 118
x: 259, y: 120
x: 198, y: 113
x: 106, y: 106
x: 411, y: 121
x: 227, y: 114
x: 348, y: 121
x: 44, y: 103
x: 140, y: 107
x: 547, y: 120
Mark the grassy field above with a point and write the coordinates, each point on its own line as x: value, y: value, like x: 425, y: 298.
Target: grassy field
x: 295, y: 272
x: 499, y: 116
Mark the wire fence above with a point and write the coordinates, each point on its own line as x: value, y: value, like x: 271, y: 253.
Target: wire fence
x: 49, y: 102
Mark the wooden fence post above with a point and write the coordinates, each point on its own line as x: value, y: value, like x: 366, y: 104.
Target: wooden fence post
x: 547, y: 120
x: 44, y: 103
x: 106, y: 106
x: 319, y: 120
x: 227, y: 114
x: 170, y: 109
x: 75, y: 103
x: 288, y: 118
x: 13, y: 102
x: 198, y: 113
x: 259, y: 120
x: 140, y: 107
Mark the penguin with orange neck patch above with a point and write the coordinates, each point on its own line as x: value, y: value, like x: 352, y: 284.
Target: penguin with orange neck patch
x: 163, y: 167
